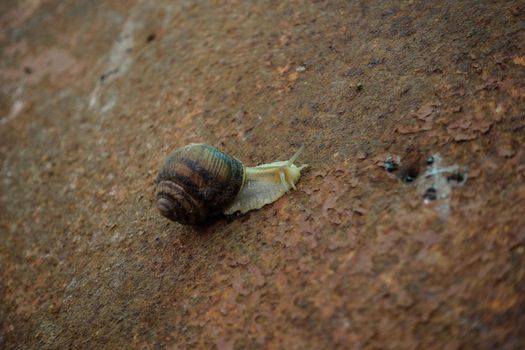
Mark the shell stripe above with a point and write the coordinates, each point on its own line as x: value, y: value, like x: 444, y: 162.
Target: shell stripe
x: 184, y: 204
x: 189, y: 185
x: 193, y: 165
x: 172, y: 198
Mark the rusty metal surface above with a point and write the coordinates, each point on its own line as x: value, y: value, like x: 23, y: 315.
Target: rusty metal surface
x: 380, y: 246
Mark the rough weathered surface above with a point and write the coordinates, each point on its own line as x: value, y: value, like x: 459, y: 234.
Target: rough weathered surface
x: 95, y: 94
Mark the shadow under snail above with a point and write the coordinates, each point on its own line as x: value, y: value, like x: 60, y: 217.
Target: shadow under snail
x: 199, y: 181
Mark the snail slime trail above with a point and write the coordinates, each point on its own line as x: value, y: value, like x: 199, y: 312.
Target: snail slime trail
x: 199, y: 181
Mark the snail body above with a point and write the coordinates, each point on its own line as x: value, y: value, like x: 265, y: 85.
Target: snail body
x: 199, y: 181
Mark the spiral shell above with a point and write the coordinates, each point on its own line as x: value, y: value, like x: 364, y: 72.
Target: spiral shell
x: 196, y: 182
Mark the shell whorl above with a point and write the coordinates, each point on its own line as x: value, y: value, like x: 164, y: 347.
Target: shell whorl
x: 196, y: 182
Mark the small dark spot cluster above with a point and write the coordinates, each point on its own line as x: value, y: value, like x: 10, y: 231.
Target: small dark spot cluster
x: 151, y: 37
x: 390, y: 165
x: 430, y: 194
x: 375, y: 61
x: 107, y: 74
x: 409, y: 175
x: 456, y: 177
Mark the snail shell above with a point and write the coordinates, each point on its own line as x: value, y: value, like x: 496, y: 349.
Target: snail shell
x: 196, y: 182
x: 199, y: 181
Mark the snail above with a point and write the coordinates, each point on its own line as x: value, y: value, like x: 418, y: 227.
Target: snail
x: 199, y: 181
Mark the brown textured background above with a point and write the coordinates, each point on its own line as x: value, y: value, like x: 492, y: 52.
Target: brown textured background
x: 94, y: 95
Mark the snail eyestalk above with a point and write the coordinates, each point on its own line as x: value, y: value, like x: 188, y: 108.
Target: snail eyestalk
x: 296, y: 155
